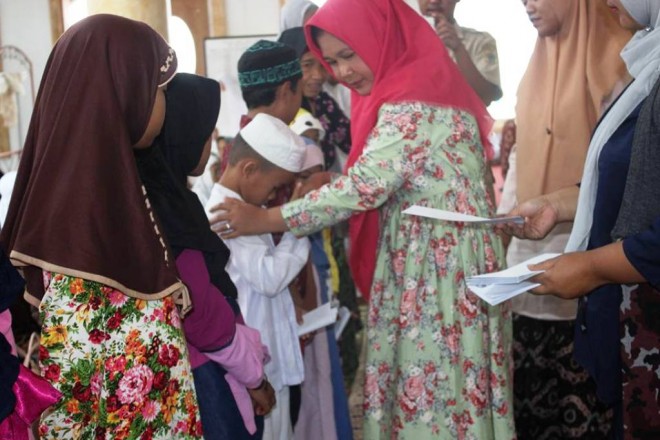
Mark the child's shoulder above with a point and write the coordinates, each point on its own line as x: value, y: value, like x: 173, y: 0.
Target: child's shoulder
x: 218, y: 195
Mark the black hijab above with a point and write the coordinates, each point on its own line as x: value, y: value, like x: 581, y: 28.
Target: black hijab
x: 11, y: 286
x: 193, y: 104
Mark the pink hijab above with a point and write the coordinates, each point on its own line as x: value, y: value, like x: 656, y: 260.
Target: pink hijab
x: 409, y: 63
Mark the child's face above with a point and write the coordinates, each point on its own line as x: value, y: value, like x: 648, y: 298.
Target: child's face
x: 304, y: 175
x: 314, y: 75
x: 444, y: 7
x: 261, y: 185
x: 312, y: 134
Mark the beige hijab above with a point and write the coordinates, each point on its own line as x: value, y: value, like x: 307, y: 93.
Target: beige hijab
x: 569, y: 77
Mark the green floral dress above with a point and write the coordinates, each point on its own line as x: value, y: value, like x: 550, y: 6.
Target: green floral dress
x: 438, y: 358
x: 121, y: 364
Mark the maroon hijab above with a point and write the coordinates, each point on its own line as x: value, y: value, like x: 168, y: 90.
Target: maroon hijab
x: 78, y: 207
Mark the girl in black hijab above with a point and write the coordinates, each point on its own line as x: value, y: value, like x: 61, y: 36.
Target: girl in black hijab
x: 226, y: 357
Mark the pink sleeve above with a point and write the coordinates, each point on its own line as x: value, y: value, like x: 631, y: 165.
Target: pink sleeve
x: 244, y: 359
x: 211, y: 324
x: 5, y: 329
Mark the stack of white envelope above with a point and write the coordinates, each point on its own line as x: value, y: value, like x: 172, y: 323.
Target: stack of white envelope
x: 318, y: 318
x: 498, y: 287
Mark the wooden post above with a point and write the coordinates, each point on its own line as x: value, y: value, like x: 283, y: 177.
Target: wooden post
x: 56, y: 19
x: 218, y: 18
x: 152, y: 12
x: 196, y: 15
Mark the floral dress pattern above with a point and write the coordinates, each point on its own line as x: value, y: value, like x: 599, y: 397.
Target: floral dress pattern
x: 438, y: 358
x: 335, y: 123
x: 121, y: 364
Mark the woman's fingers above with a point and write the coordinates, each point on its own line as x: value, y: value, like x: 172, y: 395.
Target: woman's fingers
x: 222, y: 216
x: 226, y: 205
x: 230, y: 234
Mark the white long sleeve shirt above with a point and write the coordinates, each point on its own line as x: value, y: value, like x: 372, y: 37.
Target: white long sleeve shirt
x: 262, y: 273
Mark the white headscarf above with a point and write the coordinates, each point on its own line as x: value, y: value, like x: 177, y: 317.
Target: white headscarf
x: 642, y: 57
x: 305, y: 121
x: 293, y: 13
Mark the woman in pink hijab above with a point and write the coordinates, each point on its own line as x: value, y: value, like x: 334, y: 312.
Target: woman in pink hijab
x: 438, y: 363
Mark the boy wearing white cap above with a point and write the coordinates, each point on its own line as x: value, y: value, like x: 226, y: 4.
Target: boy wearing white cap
x: 265, y: 156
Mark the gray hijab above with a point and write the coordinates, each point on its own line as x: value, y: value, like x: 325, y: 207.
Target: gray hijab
x: 293, y: 13
x: 641, y: 199
x: 642, y: 58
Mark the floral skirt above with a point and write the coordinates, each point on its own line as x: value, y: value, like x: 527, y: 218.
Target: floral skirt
x: 121, y: 364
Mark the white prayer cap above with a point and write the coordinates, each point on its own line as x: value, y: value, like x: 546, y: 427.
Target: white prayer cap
x: 314, y: 156
x: 275, y: 142
x: 305, y: 121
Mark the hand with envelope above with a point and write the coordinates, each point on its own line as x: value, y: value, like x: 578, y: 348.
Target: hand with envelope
x: 575, y: 274
x: 567, y: 276
x: 542, y: 214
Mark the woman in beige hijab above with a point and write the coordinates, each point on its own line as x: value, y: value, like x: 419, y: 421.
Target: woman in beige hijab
x: 574, y: 72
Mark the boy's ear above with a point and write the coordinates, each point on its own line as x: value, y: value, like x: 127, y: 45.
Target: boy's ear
x: 283, y: 89
x: 248, y: 167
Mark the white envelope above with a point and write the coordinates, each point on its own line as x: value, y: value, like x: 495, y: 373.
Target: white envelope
x: 513, y: 275
x: 450, y: 216
x: 320, y: 317
x: 497, y: 287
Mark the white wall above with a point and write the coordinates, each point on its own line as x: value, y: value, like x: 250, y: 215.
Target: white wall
x: 26, y: 25
x: 252, y: 17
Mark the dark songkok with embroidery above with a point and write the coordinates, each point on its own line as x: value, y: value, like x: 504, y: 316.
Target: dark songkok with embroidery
x: 266, y: 64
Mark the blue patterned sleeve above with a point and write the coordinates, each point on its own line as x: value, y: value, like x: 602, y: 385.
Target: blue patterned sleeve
x: 643, y: 252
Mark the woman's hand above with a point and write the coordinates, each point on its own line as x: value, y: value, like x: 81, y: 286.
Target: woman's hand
x: 312, y: 183
x: 540, y: 216
x: 235, y: 218
x: 568, y: 276
x: 543, y: 213
x: 576, y: 274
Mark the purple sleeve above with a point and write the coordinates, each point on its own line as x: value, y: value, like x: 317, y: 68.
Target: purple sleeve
x: 643, y: 252
x: 211, y: 324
